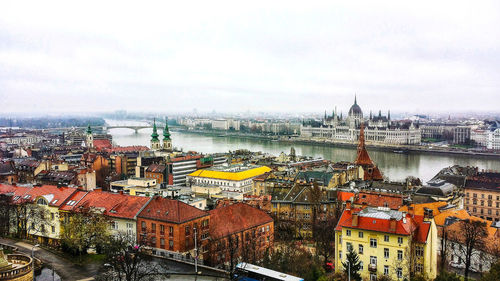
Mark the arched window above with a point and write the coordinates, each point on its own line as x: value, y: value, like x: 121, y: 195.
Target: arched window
x: 41, y: 201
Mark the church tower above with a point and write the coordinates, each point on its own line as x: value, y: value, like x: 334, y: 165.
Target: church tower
x: 155, y: 142
x: 167, y: 142
x: 90, y: 138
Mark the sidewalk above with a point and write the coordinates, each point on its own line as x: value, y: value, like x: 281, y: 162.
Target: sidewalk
x: 64, y: 268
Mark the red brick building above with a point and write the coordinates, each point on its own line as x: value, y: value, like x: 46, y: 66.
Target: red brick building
x: 156, y: 171
x: 238, y: 232
x: 168, y: 226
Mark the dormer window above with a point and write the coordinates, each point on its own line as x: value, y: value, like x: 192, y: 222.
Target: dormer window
x: 41, y: 201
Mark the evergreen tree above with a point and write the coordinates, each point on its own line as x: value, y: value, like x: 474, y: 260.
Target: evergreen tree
x: 354, y: 265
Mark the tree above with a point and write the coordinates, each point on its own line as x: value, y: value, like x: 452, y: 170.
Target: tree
x: 352, y: 265
x: 470, y: 235
x: 128, y: 261
x: 444, y: 248
x: 493, y: 274
x: 325, y: 237
x: 84, y: 229
x: 6, y: 208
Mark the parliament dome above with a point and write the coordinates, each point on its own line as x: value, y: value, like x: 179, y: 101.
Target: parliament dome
x: 355, y: 110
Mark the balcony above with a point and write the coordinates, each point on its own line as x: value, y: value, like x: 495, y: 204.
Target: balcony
x: 372, y: 267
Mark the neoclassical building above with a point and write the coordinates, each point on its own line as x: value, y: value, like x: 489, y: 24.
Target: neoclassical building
x: 378, y: 129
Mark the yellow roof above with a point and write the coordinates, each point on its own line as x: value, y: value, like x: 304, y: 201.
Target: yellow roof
x: 233, y: 176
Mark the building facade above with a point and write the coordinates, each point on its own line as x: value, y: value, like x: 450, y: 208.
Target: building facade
x: 380, y: 129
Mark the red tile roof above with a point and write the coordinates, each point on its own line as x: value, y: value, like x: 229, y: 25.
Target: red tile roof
x: 392, y: 201
x: 415, y: 223
x: 73, y: 200
x: 56, y: 195
x: 129, y: 148
x: 235, y: 218
x: 170, y: 210
x: 114, y: 204
x: 102, y: 144
x: 18, y: 191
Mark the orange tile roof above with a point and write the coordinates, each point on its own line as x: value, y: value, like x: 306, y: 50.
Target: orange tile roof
x: 344, y: 195
x: 102, y: 144
x: 418, y: 209
x: 235, y: 218
x: 114, y: 204
x: 170, y: 210
x: 440, y: 219
x: 18, y: 191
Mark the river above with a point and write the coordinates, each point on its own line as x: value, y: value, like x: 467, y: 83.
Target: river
x: 394, y: 166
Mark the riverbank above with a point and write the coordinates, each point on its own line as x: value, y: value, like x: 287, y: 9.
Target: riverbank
x: 401, y: 149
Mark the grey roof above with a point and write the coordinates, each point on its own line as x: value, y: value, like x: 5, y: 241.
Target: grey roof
x: 381, y: 213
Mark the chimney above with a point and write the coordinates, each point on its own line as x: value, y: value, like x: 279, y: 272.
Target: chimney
x: 355, y: 218
x: 392, y: 225
x: 121, y: 192
x: 348, y: 205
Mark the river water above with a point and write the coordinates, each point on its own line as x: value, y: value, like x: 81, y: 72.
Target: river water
x: 394, y: 166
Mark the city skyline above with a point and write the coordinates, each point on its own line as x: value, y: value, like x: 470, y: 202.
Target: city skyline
x: 65, y: 58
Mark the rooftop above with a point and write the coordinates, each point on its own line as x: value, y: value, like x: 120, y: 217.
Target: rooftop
x: 231, y: 172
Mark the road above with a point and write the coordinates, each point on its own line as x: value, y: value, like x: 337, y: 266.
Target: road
x: 64, y: 268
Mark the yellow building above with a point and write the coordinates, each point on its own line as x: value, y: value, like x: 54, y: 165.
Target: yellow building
x: 387, y: 242
x: 232, y: 178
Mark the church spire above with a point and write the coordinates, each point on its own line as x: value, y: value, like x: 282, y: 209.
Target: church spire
x: 89, y: 130
x: 388, y: 115
x: 154, y: 135
x: 166, y: 133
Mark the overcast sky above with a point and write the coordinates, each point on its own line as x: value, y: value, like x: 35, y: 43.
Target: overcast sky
x: 60, y: 56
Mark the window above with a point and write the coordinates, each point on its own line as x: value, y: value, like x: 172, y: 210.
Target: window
x: 187, y: 230
x: 349, y: 246
x: 143, y: 225
x: 53, y: 229
x: 52, y: 216
x: 360, y: 249
x: 386, y: 253
x: 400, y: 255
x: 386, y: 238
x: 360, y: 265
x: 340, y: 254
x: 162, y: 243
x: 399, y: 272
x: 419, y: 251
x: 153, y: 227
x: 419, y: 267
x: 474, y: 195
x: 373, y: 277
x: 360, y: 234
x: 373, y: 260
x: 162, y: 229
x: 348, y: 232
x: 400, y: 240
x: 373, y: 242
x: 386, y: 270
x: 171, y: 244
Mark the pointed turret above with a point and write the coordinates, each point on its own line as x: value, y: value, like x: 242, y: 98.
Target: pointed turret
x: 154, y: 135
x: 371, y: 115
x: 371, y: 172
x: 155, y: 142
x: 89, y: 142
x: 380, y: 113
x: 167, y: 142
x: 388, y: 115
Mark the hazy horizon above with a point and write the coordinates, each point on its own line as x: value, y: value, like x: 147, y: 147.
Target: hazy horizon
x: 93, y: 57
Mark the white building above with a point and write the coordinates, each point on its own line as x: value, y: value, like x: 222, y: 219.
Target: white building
x: 380, y: 129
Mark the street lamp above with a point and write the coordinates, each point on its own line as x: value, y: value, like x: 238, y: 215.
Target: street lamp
x: 33, y: 259
x: 195, y: 252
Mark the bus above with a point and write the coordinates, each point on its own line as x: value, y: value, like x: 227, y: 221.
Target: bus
x: 249, y: 272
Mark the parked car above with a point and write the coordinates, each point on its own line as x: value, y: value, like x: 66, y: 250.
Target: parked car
x: 457, y: 265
